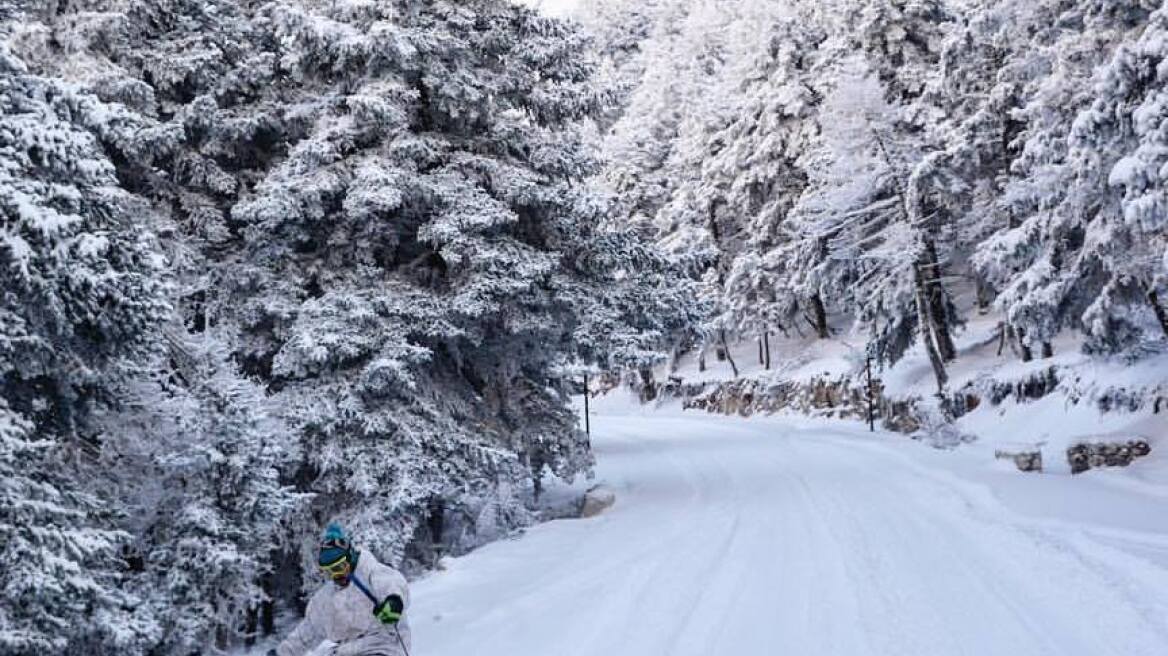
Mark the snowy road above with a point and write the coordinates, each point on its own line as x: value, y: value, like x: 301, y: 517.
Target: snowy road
x: 756, y: 538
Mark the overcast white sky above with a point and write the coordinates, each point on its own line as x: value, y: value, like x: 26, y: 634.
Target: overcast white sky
x: 552, y: 7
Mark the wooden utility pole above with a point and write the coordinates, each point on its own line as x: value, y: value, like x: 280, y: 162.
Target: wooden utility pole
x: 871, y: 413
x: 587, y: 426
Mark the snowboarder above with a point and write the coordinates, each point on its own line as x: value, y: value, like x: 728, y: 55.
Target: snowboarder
x: 361, y: 613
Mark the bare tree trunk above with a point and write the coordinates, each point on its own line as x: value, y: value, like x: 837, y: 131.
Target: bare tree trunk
x: 819, y: 314
x: 926, y: 327
x: 760, y: 360
x: 1161, y: 313
x: 932, y: 311
x: 726, y: 350
x: 938, y: 308
x: 1047, y: 350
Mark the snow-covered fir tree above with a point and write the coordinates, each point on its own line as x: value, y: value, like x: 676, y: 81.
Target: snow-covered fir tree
x: 387, y: 275
x: 1030, y: 260
x: 429, y: 215
x: 82, y: 299
x: 268, y: 264
x: 1117, y: 152
x: 209, y: 509
x: 750, y: 178
x: 985, y: 134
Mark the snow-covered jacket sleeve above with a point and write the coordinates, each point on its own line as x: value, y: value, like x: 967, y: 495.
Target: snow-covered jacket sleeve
x: 305, y: 637
x: 385, y: 580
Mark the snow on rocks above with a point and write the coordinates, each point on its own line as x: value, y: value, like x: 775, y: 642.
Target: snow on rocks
x: 1027, y: 461
x: 1094, y: 455
x: 596, y: 500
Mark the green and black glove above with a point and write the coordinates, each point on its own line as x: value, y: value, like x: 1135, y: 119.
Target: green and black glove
x: 389, y: 611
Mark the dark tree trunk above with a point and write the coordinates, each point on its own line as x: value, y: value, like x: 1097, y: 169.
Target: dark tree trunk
x: 726, y: 350
x: 984, y: 295
x: 819, y: 316
x: 436, y: 520
x: 648, y: 385
x: 1161, y: 313
x: 760, y: 356
x: 251, y: 625
x: 926, y: 323
x: 1027, y: 353
x: 938, y: 303
x: 268, y: 617
x: 1047, y: 350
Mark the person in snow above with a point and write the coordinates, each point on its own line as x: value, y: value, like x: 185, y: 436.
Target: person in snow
x: 360, y: 613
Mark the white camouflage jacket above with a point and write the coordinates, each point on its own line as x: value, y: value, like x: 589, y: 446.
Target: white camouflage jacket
x: 344, y: 616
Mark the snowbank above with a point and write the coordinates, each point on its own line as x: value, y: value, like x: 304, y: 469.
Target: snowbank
x: 1048, y: 405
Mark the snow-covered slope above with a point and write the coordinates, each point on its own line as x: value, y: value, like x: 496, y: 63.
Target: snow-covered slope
x: 1068, y: 413
x: 786, y: 536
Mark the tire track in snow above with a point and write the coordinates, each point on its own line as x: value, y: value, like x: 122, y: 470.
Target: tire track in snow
x: 734, y: 537
x: 1005, y: 560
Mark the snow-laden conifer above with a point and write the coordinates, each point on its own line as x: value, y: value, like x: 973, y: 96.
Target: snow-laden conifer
x: 82, y: 300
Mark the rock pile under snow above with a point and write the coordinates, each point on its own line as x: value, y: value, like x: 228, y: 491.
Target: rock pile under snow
x: 597, y: 500
x: 1094, y: 455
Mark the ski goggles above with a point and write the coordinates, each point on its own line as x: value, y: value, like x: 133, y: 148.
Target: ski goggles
x: 338, y: 568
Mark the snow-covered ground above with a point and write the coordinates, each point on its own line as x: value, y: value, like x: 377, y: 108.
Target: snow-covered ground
x: 1051, y: 424
x: 793, y: 536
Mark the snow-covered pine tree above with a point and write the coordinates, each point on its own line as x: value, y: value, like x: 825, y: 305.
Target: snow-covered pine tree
x: 820, y: 256
x: 207, y: 505
x: 978, y: 91
x: 1030, y: 260
x: 728, y: 102
x: 655, y: 149
x: 902, y: 40
x: 415, y: 203
x: 850, y: 228
x: 620, y: 29
x: 966, y: 117
x: 1119, y: 144
x: 751, y: 178
x: 189, y: 457
x: 80, y: 308
x: 353, y: 191
x: 869, y: 226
